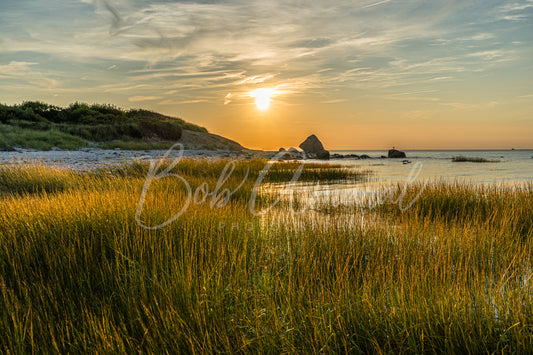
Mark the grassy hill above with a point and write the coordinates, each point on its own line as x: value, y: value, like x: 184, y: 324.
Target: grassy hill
x: 38, y: 125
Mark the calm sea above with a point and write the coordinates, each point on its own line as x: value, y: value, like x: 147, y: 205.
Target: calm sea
x: 512, y: 166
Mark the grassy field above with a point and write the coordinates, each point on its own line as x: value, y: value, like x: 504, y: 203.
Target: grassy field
x: 79, y: 275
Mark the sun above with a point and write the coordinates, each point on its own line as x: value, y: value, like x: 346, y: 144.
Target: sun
x: 262, y: 98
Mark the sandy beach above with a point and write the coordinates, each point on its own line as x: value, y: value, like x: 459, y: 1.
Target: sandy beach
x: 90, y: 158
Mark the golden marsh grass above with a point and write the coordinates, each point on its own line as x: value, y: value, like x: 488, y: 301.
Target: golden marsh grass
x: 79, y: 275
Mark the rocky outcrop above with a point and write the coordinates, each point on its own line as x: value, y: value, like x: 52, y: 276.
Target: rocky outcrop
x: 313, y: 148
x: 291, y: 154
x: 393, y: 153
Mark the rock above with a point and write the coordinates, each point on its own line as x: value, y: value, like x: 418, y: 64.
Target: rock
x: 323, y: 155
x: 393, y: 153
x: 7, y: 149
x: 383, y: 157
x: 337, y: 156
x: 312, y: 146
x: 281, y: 149
x: 364, y: 156
x: 353, y: 156
x: 292, y: 156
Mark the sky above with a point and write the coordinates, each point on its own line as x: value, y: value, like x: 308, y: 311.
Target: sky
x: 367, y: 74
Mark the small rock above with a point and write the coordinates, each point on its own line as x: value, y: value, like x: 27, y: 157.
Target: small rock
x: 393, y: 153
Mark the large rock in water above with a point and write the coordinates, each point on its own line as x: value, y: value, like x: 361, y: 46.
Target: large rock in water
x: 393, y: 153
x: 314, y: 148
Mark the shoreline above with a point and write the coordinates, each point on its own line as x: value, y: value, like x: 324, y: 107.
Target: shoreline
x: 90, y: 158
x: 513, y: 167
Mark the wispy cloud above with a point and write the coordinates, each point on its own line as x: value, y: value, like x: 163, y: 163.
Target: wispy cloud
x: 417, y: 115
x: 204, y: 50
x: 516, y: 11
x: 227, y: 98
x: 181, y: 102
x: 26, y: 74
x: 143, y: 98
x: 336, y: 101
x: 376, y: 4
x: 461, y: 106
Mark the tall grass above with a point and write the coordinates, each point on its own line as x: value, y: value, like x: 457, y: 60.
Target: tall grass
x: 461, y: 159
x: 13, y: 136
x: 78, y: 274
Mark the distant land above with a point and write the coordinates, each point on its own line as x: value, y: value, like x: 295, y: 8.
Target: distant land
x: 37, y: 125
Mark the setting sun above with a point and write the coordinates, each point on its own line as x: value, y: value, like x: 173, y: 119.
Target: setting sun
x: 262, y: 98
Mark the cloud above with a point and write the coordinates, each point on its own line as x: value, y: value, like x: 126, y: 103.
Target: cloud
x: 117, y: 19
x: 227, y: 99
x: 312, y: 43
x: 255, y: 79
x: 376, y: 4
x: 478, y: 37
x: 460, y: 106
x: 335, y: 101
x: 516, y: 11
x: 15, y: 68
x: 26, y: 75
x: 203, y: 50
x: 417, y: 115
x: 143, y: 98
x: 441, y: 78
x: 183, y: 102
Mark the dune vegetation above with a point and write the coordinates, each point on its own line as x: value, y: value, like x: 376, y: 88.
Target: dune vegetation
x: 78, y: 274
x: 38, y: 125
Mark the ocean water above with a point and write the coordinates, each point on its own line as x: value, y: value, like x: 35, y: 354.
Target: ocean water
x: 513, y: 166
x: 512, y: 169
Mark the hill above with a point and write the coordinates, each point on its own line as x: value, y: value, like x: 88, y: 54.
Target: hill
x: 38, y: 125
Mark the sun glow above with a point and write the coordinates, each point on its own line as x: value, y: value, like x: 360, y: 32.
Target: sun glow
x: 262, y: 98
